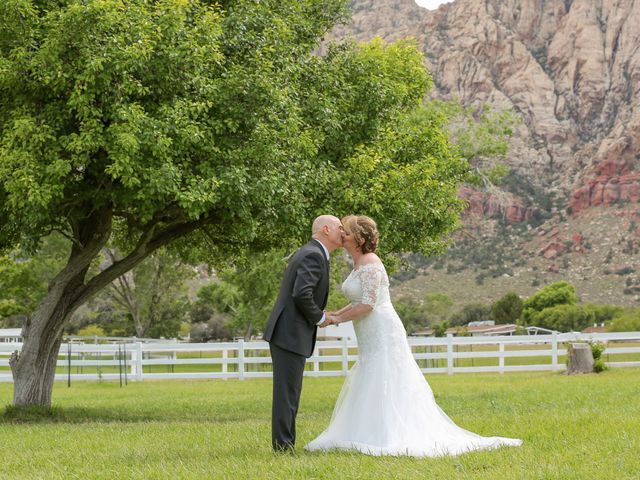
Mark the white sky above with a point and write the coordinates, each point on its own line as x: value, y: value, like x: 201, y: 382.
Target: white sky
x: 431, y: 4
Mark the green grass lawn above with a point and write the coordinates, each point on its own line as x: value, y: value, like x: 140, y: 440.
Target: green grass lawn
x: 573, y: 427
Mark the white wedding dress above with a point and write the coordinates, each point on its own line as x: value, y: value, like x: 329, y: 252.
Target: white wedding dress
x: 386, y: 406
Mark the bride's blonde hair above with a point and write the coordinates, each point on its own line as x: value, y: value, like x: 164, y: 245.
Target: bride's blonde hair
x: 364, y: 230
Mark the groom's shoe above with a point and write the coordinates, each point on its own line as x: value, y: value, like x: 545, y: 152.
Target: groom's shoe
x: 283, y: 447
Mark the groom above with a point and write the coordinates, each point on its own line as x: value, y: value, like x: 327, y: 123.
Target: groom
x: 291, y: 329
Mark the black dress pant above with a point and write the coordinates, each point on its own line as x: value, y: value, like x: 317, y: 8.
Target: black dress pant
x: 288, y: 369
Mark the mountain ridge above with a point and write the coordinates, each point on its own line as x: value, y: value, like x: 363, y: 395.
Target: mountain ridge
x: 571, y: 72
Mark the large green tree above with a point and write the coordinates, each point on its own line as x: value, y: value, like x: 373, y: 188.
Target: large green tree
x: 211, y: 127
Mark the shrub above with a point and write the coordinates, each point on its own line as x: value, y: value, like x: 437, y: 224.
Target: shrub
x: 564, y: 318
x: 599, y: 365
x: 507, y: 309
x: 440, y: 329
x: 627, y: 321
x: 596, y: 349
x: 92, y: 330
x: 216, y: 328
x: 472, y: 312
x: 558, y: 293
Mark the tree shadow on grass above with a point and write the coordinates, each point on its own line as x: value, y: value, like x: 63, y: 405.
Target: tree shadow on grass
x: 75, y: 415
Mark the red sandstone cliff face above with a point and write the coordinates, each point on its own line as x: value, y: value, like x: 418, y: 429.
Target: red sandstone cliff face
x: 571, y: 69
x: 512, y: 209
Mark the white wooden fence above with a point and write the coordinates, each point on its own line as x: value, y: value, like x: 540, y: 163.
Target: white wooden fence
x: 138, y: 361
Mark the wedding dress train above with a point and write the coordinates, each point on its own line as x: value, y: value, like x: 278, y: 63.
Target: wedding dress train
x: 386, y: 406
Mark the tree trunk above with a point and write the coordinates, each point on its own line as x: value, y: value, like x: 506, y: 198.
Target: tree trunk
x: 248, y: 332
x: 34, y: 372
x: 580, y: 359
x: 34, y: 367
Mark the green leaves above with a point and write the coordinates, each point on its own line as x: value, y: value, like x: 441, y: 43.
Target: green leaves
x: 174, y: 111
x: 24, y: 278
x: 550, y: 296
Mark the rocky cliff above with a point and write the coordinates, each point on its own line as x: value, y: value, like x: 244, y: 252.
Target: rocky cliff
x: 571, y: 70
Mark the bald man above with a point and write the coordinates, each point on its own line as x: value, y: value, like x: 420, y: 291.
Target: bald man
x: 293, y: 323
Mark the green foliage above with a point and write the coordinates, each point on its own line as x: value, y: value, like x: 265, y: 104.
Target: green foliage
x: 148, y: 301
x: 412, y: 313
x: 479, y: 134
x: 567, y: 317
x: 216, y: 129
x: 92, y: 330
x: 599, y: 365
x: 24, y: 277
x: 438, y: 307
x: 626, y: 321
x: 153, y: 295
x: 146, y: 116
x: 339, y: 271
x: 558, y: 293
x: 412, y: 163
x: 217, y: 327
x: 507, y: 309
x: 245, y: 292
x: 440, y: 329
x: 462, y: 331
x: 596, y: 349
x: 564, y: 318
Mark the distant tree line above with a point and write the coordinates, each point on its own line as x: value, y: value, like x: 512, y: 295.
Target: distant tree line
x: 164, y: 297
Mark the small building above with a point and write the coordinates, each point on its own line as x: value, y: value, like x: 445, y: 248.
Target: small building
x: 487, y: 329
x: 10, y: 335
x: 595, y: 329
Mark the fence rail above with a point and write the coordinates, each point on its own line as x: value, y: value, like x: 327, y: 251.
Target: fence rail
x: 138, y: 361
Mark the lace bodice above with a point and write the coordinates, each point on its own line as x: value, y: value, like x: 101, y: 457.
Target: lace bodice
x: 381, y: 330
x: 368, y: 284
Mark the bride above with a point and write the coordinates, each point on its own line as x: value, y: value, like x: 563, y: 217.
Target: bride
x: 386, y: 406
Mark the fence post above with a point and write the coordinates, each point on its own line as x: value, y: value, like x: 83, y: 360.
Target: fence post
x: 501, y: 357
x: 554, y: 351
x: 225, y: 356
x: 345, y: 355
x: 316, y: 364
x: 450, y: 353
x: 136, y: 362
x: 241, y: 359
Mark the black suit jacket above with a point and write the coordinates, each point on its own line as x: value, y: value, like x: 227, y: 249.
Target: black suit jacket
x: 303, y: 296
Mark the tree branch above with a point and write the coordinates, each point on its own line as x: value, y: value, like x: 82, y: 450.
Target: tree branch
x: 146, y: 246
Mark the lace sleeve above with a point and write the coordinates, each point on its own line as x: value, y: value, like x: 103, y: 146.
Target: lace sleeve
x: 371, y: 279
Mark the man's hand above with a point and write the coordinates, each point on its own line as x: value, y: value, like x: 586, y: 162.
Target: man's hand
x: 328, y: 320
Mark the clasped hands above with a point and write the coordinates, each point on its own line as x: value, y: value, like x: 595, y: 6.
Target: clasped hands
x: 330, y: 319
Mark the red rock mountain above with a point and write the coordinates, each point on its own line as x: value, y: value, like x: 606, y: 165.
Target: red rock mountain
x: 571, y: 69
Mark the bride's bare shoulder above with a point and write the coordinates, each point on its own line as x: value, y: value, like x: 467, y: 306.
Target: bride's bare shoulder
x: 369, y: 258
